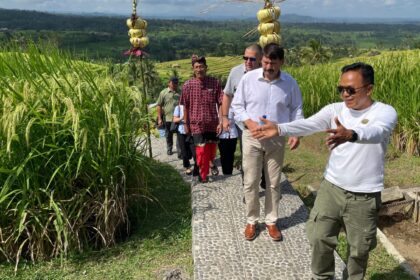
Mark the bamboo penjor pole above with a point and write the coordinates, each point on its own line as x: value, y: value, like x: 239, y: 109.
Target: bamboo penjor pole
x: 139, y: 40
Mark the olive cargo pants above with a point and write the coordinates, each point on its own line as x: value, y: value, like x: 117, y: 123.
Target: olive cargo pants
x: 357, y: 213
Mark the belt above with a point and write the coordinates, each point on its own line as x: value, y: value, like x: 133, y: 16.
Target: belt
x: 372, y: 194
x: 364, y: 194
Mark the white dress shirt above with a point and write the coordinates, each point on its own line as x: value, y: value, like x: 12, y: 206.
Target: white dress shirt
x: 279, y: 100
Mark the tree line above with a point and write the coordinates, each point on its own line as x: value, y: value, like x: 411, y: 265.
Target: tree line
x: 105, y: 37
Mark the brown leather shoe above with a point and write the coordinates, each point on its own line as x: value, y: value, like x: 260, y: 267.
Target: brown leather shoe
x: 274, y: 232
x: 250, y: 232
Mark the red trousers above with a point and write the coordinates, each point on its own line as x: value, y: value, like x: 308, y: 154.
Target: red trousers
x: 205, y: 153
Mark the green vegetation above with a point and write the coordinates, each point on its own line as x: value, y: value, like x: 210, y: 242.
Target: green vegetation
x: 70, y: 155
x: 74, y: 185
x: 100, y: 37
x: 160, y: 240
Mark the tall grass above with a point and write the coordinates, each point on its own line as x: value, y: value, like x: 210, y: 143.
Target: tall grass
x: 397, y: 83
x: 69, y: 160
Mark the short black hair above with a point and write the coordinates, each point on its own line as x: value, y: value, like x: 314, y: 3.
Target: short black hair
x: 198, y: 59
x: 273, y: 51
x: 368, y: 74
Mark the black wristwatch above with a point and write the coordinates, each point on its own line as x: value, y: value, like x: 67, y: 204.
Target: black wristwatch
x: 354, y: 137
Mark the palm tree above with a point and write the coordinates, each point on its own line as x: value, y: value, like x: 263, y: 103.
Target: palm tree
x: 316, y: 53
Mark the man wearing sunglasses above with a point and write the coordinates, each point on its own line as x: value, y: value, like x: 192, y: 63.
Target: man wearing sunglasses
x: 274, y: 94
x: 252, y: 60
x: 358, y: 130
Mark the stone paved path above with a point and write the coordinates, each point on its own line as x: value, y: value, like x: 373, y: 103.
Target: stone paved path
x: 219, y: 248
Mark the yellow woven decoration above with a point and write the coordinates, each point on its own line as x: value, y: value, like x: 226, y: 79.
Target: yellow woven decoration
x: 139, y: 42
x: 138, y: 23
x: 270, y: 38
x: 268, y: 28
x: 137, y: 32
x: 269, y: 14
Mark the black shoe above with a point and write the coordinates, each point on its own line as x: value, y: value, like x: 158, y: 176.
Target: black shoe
x: 179, y: 156
x: 262, y: 183
x: 169, y: 153
x: 196, y: 171
x: 203, y: 181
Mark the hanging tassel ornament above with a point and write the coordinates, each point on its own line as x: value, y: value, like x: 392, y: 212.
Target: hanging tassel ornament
x: 269, y: 26
x: 137, y: 33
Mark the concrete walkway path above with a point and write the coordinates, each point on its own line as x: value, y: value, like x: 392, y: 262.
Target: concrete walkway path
x: 218, y: 222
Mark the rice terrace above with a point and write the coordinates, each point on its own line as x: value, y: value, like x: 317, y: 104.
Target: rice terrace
x: 89, y: 188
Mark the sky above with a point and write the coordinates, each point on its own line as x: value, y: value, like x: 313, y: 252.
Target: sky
x: 409, y: 9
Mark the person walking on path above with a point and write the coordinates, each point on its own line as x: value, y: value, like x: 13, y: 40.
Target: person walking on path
x: 252, y: 60
x: 167, y: 100
x: 227, y: 146
x: 186, y: 142
x: 274, y: 94
x: 350, y: 195
x: 201, y: 97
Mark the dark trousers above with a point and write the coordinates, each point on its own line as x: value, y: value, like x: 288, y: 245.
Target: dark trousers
x: 187, y: 149
x: 227, y: 149
x: 170, y: 139
x: 169, y: 136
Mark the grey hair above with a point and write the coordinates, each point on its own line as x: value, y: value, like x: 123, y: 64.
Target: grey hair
x: 256, y: 48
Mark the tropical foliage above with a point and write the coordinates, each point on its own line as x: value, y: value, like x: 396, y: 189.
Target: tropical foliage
x: 71, y: 139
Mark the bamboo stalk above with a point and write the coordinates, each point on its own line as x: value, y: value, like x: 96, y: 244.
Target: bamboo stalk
x: 146, y: 109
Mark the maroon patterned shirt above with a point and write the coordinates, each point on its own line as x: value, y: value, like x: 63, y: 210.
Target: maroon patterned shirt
x: 200, y: 98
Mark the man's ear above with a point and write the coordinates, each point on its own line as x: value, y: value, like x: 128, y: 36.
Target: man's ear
x: 369, y: 90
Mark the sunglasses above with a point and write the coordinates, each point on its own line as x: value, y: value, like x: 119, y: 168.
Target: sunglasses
x: 349, y: 90
x: 253, y: 59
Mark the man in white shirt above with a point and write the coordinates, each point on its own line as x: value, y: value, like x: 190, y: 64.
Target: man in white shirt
x: 274, y: 94
x: 350, y: 196
x: 252, y: 60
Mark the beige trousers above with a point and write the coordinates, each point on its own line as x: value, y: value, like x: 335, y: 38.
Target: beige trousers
x: 256, y: 154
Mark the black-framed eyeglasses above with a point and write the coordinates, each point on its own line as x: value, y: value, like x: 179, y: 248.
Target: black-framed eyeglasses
x: 350, y: 90
x: 253, y: 59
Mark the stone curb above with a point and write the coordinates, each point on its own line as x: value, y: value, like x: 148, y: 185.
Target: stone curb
x: 390, y: 248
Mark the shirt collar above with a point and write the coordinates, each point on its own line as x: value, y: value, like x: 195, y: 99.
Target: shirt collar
x: 280, y: 78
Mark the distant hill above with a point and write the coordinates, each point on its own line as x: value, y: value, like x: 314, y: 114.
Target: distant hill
x: 94, y: 36
x: 42, y: 19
